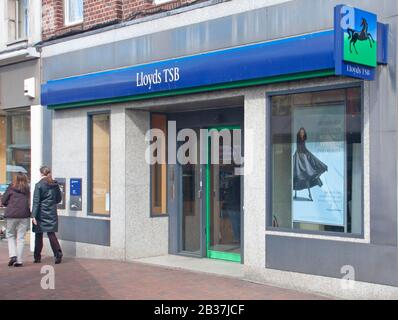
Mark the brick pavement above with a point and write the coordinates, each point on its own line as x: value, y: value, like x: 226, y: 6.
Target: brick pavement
x: 102, y: 279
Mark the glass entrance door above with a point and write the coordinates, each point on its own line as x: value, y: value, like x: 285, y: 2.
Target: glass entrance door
x: 190, y: 206
x: 223, y: 202
x: 190, y: 210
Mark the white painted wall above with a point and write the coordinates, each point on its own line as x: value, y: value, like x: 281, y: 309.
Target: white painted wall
x: 36, y: 134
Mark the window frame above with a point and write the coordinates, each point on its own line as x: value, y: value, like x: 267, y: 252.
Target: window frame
x: 151, y: 213
x: 9, y: 114
x: 90, y: 164
x: 17, y: 21
x: 68, y: 23
x: 269, y: 162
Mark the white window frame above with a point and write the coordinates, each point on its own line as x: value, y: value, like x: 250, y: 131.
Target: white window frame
x: 26, y: 23
x: 66, y: 15
x: 158, y: 2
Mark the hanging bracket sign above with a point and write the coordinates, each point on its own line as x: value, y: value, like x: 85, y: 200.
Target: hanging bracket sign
x: 357, y: 42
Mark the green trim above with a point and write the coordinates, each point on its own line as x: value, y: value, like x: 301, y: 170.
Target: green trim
x: 230, y: 85
x: 208, y: 195
x: 228, y: 256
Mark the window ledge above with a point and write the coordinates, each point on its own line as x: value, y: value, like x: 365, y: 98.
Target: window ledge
x: 99, y: 215
x: 73, y: 24
x: 18, y: 55
x: 165, y: 215
x: 317, y: 235
x: 22, y: 41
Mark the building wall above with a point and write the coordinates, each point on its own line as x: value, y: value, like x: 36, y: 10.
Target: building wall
x: 12, y: 78
x: 209, y: 28
x: 96, y: 13
x: 18, y: 59
x: 374, y: 258
x: 101, y: 236
x: 129, y: 232
x: 266, y: 253
x: 34, y: 25
x: 132, y: 9
x: 53, y: 18
x: 269, y: 255
x: 99, y: 13
x: 145, y: 236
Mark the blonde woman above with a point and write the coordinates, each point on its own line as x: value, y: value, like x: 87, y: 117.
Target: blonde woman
x: 17, y: 213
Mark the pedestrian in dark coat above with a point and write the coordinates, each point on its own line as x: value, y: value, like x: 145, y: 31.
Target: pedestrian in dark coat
x: 46, y: 196
x: 16, y: 199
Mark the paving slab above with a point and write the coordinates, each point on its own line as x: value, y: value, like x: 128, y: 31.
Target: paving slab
x: 81, y: 279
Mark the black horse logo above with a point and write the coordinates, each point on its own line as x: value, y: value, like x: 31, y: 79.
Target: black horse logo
x: 364, y: 35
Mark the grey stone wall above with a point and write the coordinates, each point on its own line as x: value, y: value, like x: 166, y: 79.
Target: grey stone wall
x: 145, y: 236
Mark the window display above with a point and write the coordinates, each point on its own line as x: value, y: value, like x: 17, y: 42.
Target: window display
x: 14, y: 144
x: 316, y: 161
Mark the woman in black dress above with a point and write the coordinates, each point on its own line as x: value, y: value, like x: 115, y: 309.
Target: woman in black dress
x: 307, y: 168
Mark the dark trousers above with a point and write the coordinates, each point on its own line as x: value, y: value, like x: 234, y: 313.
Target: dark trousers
x: 39, y: 243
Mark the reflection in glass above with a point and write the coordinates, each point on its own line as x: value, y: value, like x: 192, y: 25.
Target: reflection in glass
x: 190, y: 208
x: 18, y: 144
x: 225, y: 202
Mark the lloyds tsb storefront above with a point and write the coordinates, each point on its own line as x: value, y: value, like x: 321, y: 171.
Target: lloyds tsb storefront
x: 270, y: 154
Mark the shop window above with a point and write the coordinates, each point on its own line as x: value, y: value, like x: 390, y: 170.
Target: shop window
x: 18, y: 144
x: 18, y: 18
x: 99, y: 184
x: 73, y: 12
x: 14, y: 146
x: 159, y: 169
x: 317, y: 161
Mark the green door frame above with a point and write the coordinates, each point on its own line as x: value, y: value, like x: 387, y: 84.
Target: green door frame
x: 234, y: 257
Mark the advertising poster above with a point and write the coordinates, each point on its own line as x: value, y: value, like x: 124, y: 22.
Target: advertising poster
x: 318, y: 165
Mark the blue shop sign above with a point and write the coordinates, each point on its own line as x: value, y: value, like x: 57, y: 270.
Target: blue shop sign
x: 309, y: 53
x: 359, y: 42
x: 317, y: 54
